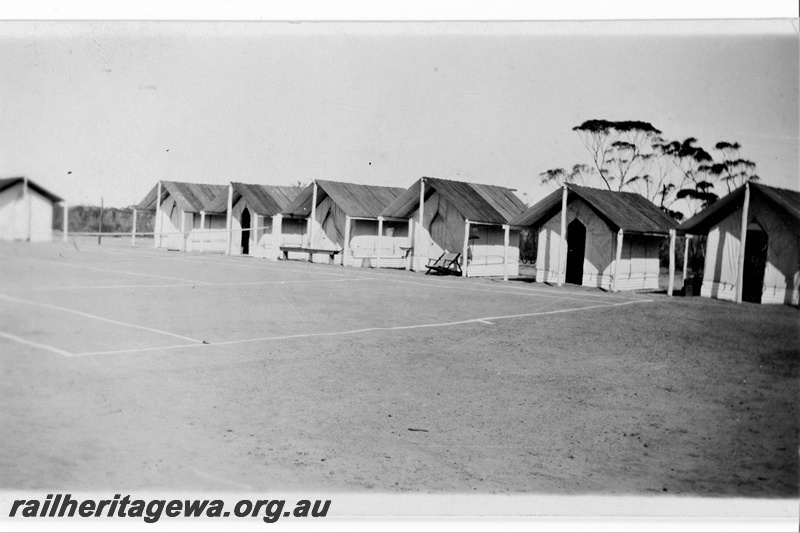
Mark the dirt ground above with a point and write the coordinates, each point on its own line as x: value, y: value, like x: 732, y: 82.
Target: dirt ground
x: 587, y: 393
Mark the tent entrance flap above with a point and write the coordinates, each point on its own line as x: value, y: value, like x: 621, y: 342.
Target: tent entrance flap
x: 246, y: 232
x: 755, y: 262
x: 576, y: 250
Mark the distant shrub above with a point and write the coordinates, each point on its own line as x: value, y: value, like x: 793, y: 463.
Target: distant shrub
x: 86, y: 218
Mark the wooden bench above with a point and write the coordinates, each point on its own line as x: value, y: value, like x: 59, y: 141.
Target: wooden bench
x: 310, y: 251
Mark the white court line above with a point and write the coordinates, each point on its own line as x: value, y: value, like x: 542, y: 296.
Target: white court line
x: 504, y: 288
x: 375, y: 275
x: 378, y: 274
x: 102, y: 319
x: 364, y: 330
x: 36, y: 344
x: 509, y: 292
x: 84, y: 267
x: 223, y: 260
x: 174, y: 285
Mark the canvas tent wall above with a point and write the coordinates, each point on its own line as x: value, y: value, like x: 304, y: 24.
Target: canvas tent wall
x: 343, y: 216
x: 26, y: 210
x: 254, y: 224
x: 595, y: 222
x: 179, y: 224
x: 456, y: 216
x: 768, y: 268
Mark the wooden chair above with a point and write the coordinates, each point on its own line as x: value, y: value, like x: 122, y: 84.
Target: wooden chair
x: 446, y: 264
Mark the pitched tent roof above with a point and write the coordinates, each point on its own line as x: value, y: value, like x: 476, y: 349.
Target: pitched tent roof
x: 355, y: 200
x: 628, y: 211
x: 264, y: 200
x: 476, y: 202
x: 786, y: 200
x: 6, y: 183
x: 191, y: 197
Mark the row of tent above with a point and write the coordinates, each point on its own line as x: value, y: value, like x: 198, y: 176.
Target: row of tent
x: 364, y: 224
x: 585, y: 236
x: 611, y: 239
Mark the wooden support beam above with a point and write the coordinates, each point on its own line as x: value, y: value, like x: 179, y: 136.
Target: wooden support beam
x: 229, y: 221
x: 202, y: 226
x: 686, y: 259
x: 157, y: 224
x: 562, y: 243
x: 254, y: 225
x: 380, y: 242
x: 183, y: 230
x: 617, y: 259
x: 420, y: 226
x: 671, y: 284
x: 277, y: 230
x: 742, y: 243
x: 506, y: 239
x: 411, y: 243
x: 311, y: 219
x: 346, y: 244
x: 464, y: 255
x: 133, y: 229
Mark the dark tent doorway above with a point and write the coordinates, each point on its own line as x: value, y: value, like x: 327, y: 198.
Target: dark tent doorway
x: 576, y: 250
x: 755, y: 262
x: 245, y: 232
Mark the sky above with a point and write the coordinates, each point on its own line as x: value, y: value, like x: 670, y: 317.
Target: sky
x: 97, y: 110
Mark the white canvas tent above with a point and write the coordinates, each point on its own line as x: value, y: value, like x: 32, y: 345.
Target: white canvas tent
x: 459, y: 217
x: 179, y: 221
x: 26, y: 210
x: 253, y: 217
x: 333, y: 215
x: 611, y: 239
x: 766, y: 269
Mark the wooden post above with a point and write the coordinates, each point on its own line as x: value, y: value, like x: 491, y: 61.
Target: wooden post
x: 686, y: 259
x: 671, y: 284
x: 228, y: 221
x: 202, y: 226
x: 313, y: 214
x: 562, y: 243
x: 26, y: 197
x: 506, y: 239
x: 421, y: 226
x: 742, y: 243
x: 101, y: 221
x: 277, y: 230
x: 380, y: 242
x: 464, y: 256
x: 254, y: 225
x: 65, y: 221
x: 157, y: 224
x: 133, y: 230
x: 411, y: 242
x: 617, y: 259
x: 346, y: 244
x: 183, y: 230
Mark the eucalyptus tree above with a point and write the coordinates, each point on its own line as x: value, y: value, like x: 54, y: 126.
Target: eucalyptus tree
x: 580, y: 175
x: 694, y: 182
x: 733, y: 171
x: 620, y: 150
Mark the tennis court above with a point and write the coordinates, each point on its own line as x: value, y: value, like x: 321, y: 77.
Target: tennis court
x: 143, y: 369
